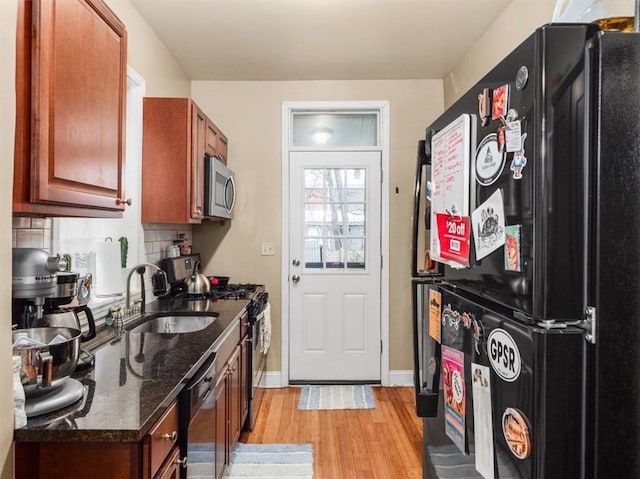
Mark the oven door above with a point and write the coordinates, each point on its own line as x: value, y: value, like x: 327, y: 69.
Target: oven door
x: 198, y: 423
x: 258, y: 357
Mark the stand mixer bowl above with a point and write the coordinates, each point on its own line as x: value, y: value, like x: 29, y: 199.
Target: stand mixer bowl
x: 46, y: 367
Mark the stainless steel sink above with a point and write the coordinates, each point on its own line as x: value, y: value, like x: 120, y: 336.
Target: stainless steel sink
x: 171, y: 324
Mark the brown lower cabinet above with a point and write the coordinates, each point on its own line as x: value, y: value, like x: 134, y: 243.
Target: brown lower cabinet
x: 231, y: 404
x: 156, y: 456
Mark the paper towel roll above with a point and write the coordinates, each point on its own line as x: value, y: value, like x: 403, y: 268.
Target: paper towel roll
x: 108, y: 277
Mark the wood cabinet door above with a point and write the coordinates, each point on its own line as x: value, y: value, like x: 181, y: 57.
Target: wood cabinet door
x: 245, y: 379
x: 211, y: 148
x: 221, y: 443
x: 235, y: 395
x: 199, y: 132
x: 222, y: 148
x: 78, y: 104
x: 171, y: 468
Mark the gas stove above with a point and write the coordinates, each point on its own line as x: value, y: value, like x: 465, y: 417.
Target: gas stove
x: 227, y: 292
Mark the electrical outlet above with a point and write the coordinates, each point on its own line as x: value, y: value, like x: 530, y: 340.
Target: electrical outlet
x: 267, y: 249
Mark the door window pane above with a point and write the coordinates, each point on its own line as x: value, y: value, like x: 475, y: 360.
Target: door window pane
x: 334, y: 219
x: 335, y: 129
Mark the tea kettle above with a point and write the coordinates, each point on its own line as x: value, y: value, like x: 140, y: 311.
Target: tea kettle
x: 197, y: 283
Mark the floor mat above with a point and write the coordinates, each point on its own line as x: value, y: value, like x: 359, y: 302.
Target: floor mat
x: 270, y: 461
x: 336, y: 397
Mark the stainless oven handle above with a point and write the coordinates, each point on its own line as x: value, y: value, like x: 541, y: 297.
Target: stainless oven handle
x: 202, y: 372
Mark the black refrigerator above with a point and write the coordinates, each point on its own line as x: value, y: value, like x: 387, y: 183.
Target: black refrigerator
x: 526, y: 265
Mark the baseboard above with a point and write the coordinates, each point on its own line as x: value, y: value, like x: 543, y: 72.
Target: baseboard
x: 273, y: 379
x: 401, y: 378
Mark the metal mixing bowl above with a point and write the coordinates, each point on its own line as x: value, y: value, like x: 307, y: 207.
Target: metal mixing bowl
x: 46, y: 367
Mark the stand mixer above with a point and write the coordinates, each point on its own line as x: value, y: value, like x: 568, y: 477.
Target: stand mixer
x: 34, y: 279
x: 46, y: 366
x: 36, y: 305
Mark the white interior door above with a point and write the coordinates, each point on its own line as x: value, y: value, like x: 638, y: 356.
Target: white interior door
x: 334, y: 266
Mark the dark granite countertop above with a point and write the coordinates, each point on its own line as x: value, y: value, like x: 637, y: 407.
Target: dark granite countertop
x: 127, y: 392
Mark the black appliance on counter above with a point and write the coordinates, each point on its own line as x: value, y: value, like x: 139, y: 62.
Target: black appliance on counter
x: 180, y: 268
x: 526, y: 271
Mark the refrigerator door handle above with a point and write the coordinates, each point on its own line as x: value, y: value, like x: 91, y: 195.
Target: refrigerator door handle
x: 588, y: 188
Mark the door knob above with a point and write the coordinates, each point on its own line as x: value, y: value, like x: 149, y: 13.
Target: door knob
x: 295, y: 278
x: 296, y: 262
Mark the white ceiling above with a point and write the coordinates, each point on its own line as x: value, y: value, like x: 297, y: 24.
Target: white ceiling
x: 318, y: 39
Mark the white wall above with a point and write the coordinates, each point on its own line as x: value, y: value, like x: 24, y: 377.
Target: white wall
x: 148, y: 56
x: 8, y: 15
x: 249, y: 113
x: 516, y: 23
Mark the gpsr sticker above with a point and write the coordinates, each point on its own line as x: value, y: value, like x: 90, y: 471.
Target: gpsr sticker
x: 504, y: 355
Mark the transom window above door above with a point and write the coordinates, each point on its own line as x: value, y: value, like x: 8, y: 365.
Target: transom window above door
x: 335, y: 218
x: 334, y: 129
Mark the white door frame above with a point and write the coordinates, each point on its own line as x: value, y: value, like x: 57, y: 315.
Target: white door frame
x: 382, y: 107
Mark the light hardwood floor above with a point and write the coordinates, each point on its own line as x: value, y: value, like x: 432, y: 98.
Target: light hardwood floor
x: 380, y: 443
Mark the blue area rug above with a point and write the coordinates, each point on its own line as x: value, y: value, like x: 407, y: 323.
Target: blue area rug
x: 336, y: 397
x: 254, y: 461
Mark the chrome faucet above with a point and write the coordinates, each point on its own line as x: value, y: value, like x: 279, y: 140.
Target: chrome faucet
x: 140, y: 269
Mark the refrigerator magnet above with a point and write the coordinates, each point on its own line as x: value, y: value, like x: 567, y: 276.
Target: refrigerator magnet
x: 454, y: 395
x: 512, y: 248
x: 478, y: 334
x: 490, y: 159
x: 515, y: 428
x: 504, y: 355
x: 450, y: 317
x: 482, y: 419
x: 466, y: 319
x: 435, y: 307
x: 522, y: 77
x: 484, y: 106
x: 519, y: 160
x: 454, y: 235
x: 488, y: 225
x: 513, y: 136
x: 500, y: 102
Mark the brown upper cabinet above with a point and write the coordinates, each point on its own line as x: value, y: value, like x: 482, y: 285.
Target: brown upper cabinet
x: 71, y: 78
x: 176, y: 136
x: 173, y: 148
x: 216, y: 143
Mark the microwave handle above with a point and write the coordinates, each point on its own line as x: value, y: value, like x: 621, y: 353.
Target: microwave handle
x: 231, y: 180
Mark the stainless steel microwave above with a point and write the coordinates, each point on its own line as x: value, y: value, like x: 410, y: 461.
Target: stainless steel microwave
x: 219, y: 189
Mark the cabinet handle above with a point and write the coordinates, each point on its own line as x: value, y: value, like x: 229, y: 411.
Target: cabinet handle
x: 120, y: 201
x: 246, y: 340
x: 182, y: 462
x: 246, y: 324
x: 173, y: 436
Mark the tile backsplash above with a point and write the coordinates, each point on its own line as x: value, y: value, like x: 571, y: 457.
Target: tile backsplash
x: 37, y: 233
x: 158, y: 238
x: 78, y: 237
x: 31, y: 233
